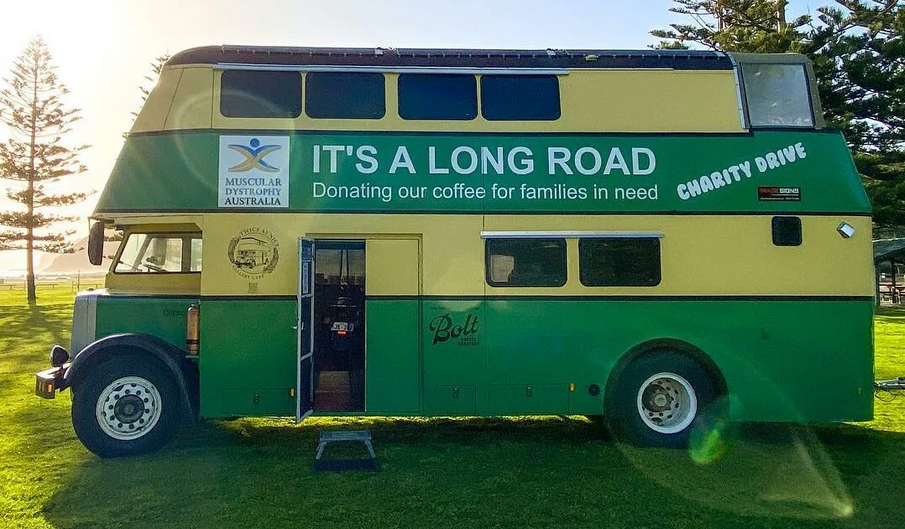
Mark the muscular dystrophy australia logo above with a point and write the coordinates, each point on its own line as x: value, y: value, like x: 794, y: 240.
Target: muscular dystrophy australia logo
x: 254, y: 172
x: 254, y: 154
x: 254, y: 253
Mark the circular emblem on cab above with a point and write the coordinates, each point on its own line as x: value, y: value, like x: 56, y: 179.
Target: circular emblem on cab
x: 254, y: 253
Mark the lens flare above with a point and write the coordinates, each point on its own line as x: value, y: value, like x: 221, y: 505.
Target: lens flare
x: 712, y: 434
x: 768, y: 470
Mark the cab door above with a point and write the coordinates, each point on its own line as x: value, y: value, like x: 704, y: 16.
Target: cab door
x: 305, y: 327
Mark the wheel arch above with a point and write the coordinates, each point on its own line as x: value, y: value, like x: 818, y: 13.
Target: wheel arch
x: 141, y: 345
x: 668, y: 344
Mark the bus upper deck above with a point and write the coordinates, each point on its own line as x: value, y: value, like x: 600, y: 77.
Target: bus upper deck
x: 576, y: 132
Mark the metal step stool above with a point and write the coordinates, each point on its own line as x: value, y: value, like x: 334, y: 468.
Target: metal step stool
x: 339, y: 465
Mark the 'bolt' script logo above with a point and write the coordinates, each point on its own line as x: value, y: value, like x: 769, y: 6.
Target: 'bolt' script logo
x: 254, y: 154
x: 445, y: 328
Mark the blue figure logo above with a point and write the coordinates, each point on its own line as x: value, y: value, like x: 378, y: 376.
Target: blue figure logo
x: 254, y: 154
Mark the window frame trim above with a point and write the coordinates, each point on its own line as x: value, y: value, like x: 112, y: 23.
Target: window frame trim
x: 740, y: 93
x: 397, y: 69
x: 572, y: 235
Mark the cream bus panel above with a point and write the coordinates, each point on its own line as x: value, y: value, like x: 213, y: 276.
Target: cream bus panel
x: 192, y: 105
x: 651, y: 101
x: 719, y: 256
x: 153, y: 115
x: 153, y: 284
x: 252, y: 254
x: 701, y: 254
x: 392, y: 267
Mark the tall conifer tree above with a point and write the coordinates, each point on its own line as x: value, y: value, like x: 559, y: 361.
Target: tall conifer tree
x: 33, y: 158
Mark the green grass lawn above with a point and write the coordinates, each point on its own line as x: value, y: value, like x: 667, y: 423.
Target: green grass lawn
x: 533, y: 472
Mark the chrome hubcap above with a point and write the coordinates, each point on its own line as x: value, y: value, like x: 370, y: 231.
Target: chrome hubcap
x: 667, y: 403
x: 128, y: 408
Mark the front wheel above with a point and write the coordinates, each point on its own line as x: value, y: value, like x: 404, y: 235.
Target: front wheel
x: 125, y: 406
x: 656, y: 399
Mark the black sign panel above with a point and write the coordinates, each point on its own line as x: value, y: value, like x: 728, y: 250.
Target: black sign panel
x: 779, y: 194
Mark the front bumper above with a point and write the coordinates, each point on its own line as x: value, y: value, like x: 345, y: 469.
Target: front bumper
x: 47, y: 382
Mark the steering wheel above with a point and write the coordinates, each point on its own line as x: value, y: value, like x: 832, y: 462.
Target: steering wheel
x: 153, y: 267
x: 131, y: 266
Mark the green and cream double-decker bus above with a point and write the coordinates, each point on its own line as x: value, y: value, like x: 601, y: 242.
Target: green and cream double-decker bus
x: 649, y: 236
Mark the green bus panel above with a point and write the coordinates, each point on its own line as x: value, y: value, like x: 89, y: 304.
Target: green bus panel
x: 248, y: 356
x: 454, y: 400
x: 771, y: 353
x: 163, y: 317
x: 528, y: 399
x: 528, y: 355
x: 527, y: 181
x: 392, y: 378
x: 454, y: 358
x: 248, y: 402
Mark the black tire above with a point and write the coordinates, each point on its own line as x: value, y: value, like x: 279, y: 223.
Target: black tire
x: 87, y: 392
x: 622, y: 409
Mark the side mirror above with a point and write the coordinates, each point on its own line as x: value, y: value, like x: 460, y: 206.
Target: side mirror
x: 96, y: 243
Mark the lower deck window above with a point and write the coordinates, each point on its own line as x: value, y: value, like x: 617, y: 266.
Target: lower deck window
x: 526, y: 262
x: 619, y: 262
x: 786, y: 231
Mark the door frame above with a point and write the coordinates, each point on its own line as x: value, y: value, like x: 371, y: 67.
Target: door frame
x: 304, y: 395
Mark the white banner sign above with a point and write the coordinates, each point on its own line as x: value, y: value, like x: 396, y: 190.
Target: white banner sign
x: 254, y: 172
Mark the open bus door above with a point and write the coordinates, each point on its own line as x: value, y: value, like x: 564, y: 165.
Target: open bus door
x: 305, y: 325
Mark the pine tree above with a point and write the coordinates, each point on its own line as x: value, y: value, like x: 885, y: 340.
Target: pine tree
x: 151, y: 79
x: 33, y: 157
x: 859, y: 57
x: 750, y: 26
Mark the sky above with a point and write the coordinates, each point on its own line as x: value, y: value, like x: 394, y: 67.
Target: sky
x: 104, y: 48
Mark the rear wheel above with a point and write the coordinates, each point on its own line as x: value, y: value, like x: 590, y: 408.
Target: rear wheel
x: 656, y: 399
x: 125, y: 406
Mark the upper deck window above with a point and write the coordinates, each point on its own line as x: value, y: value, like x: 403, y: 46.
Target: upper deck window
x: 777, y: 95
x: 520, y: 97
x: 345, y: 95
x: 438, y: 96
x: 257, y: 94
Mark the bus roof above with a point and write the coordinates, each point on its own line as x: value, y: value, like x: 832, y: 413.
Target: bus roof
x: 453, y: 58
